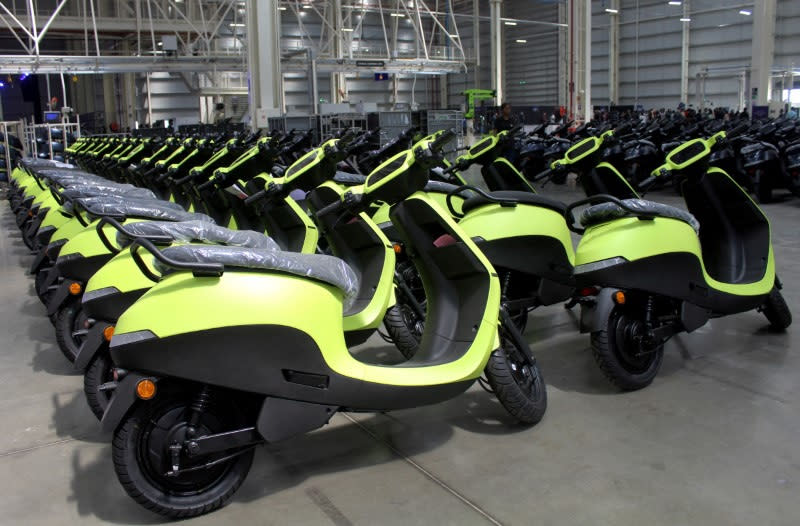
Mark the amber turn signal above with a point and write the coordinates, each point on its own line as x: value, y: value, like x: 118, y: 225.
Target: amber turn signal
x: 75, y: 288
x: 619, y: 297
x: 397, y: 248
x: 146, y: 389
x: 108, y: 333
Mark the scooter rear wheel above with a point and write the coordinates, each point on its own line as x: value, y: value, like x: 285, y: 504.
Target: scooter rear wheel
x: 622, y: 361
x: 142, y: 458
x: 517, y: 383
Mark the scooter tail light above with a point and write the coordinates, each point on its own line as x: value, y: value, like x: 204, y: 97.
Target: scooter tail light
x: 589, y: 291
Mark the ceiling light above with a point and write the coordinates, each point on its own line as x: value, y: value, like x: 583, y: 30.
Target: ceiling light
x: 674, y: 3
x: 306, y: 6
x: 281, y: 9
x: 686, y: 19
x: 347, y: 29
x: 398, y: 15
x: 160, y: 44
x: 612, y: 11
x: 521, y: 41
x: 236, y: 25
x: 745, y: 12
x: 510, y: 23
x: 723, y: 25
x: 453, y: 36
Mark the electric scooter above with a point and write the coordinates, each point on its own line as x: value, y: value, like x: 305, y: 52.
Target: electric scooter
x: 195, y: 397
x: 655, y: 270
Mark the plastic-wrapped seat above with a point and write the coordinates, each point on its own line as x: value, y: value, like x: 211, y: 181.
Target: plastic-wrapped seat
x: 188, y: 231
x: 348, y: 179
x: 138, y: 208
x: 93, y: 190
x: 604, y: 212
x: 327, y: 269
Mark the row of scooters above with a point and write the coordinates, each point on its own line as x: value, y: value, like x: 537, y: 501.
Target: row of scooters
x: 211, y: 289
x: 764, y: 158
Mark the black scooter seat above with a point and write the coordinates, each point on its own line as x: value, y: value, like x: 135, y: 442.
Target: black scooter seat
x: 604, y: 212
x: 525, y: 198
x: 348, y: 179
x: 320, y: 267
x: 186, y: 231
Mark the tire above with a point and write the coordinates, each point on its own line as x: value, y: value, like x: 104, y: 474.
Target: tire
x: 520, y: 390
x: 69, y: 318
x: 180, y: 496
x: 98, y: 373
x: 404, y: 337
x: 627, y: 372
x: 777, y: 311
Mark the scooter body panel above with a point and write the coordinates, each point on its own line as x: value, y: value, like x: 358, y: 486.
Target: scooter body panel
x: 662, y: 256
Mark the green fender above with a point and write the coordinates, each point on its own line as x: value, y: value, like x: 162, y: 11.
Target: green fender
x: 55, y: 218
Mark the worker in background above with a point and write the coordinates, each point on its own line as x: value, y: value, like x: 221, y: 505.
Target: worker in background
x: 504, y: 121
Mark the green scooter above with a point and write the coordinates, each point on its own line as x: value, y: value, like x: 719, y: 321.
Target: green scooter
x: 197, y: 393
x: 655, y: 270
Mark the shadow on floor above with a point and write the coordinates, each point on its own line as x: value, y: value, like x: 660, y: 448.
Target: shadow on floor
x: 333, y: 449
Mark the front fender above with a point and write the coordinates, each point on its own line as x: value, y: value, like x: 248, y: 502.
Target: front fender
x: 123, y: 400
x: 95, y: 341
x: 61, y: 296
x: 594, y: 315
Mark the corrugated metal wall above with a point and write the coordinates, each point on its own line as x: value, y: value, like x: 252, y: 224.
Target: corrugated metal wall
x: 532, y: 67
x: 720, y: 41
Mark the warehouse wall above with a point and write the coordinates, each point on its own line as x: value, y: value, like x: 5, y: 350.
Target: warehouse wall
x: 720, y: 44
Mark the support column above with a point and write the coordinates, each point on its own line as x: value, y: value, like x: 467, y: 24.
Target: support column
x: 685, y: 54
x: 338, y: 80
x: 109, y: 99
x: 264, y: 61
x: 589, y: 113
x: 476, y: 40
x: 763, y: 49
x: 613, y: 55
x: 563, y: 57
x: 495, y: 13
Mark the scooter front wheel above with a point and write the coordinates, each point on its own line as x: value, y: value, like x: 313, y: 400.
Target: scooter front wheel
x: 619, y: 353
x: 143, y: 460
x: 777, y: 311
x: 69, y: 320
x: 517, y: 383
x: 98, y: 374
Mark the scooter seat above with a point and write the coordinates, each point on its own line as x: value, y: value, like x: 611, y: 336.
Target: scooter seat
x: 93, y: 190
x: 525, y: 198
x: 320, y: 267
x: 349, y: 179
x: 604, y: 212
x: 139, y: 208
x: 187, y: 231
x: 439, y: 187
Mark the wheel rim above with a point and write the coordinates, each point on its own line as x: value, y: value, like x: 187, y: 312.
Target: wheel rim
x: 168, y: 427
x: 627, y: 345
x: 415, y: 324
x: 521, y: 370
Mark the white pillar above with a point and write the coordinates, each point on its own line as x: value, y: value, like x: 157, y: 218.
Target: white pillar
x: 338, y: 80
x: 685, y: 54
x: 763, y: 48
x: 476, y: 40
x: 264, y: 61
x: 495, y: 13
x: 563, y: 56
x: 589, y: 114
x: 613, y: 54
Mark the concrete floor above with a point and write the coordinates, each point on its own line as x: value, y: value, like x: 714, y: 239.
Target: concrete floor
x: 714, y: 440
